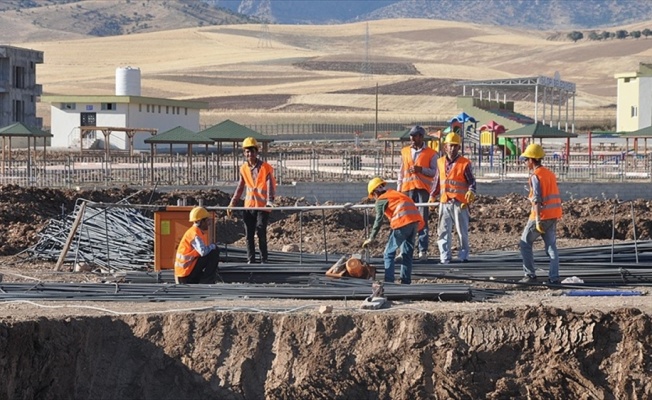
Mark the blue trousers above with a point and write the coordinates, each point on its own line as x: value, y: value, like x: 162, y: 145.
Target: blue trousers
x: 404, y: 238
x: 530, y: 234
x: 421, y: 196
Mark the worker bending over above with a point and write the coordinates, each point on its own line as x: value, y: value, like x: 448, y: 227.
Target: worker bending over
x: 196, y: 260
x: 546, y: 210
x: 455, y: 185
x: 258, y: 177
x: 404, y: 220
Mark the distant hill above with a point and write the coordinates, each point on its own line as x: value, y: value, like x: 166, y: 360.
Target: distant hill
x: 39, y: 20
x: 35, y: 20
x: 527, y: 14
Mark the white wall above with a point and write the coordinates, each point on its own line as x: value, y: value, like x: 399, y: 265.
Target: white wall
x: 645, y: 102
x: 65, y: 123
x: 140, y: 118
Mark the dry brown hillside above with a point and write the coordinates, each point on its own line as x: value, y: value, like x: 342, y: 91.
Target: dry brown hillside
x: 295, y: 64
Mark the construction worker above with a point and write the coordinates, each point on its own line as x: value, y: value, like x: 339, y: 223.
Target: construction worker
x: 418, y: 168
x: 258, y: 178
x: 196, y: 260
x: 455, y: 185
x: 545, y: 211
x: 404, y: 220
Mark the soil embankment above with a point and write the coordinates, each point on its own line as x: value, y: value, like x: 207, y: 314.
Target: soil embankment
x: 529, y: 352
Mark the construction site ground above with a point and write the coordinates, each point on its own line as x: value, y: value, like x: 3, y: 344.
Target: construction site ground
x: 530, y: 342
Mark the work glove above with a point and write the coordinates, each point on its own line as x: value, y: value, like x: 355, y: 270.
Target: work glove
x: 366, y: 243
x: 432, y: 208
x: 229, y: 211
x: 539, y: 228
x: 269, y: 204
x: 470, y: 197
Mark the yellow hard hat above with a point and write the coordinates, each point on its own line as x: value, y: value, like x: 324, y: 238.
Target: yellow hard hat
x: 534, y: 150
x: 249, y: 142
x: 197, y: 214
x: 453, y: 138
x: 373, y: 185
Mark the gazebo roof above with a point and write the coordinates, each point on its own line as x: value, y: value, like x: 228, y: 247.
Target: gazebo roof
x: 643, y: 133
x: 229, y: 131
x: 538, y: 131
x: 179, y: 135
x: 18, y: 129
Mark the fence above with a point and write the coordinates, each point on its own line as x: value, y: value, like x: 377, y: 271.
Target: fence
x: 346, y: 166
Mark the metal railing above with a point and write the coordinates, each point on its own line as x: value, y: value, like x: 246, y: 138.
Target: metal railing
x: 199, y: 169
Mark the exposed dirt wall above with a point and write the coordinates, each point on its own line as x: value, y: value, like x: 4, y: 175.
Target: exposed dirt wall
x: 529, y: 352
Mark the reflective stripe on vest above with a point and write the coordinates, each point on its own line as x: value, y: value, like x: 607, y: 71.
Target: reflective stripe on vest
x: 187, y: 256
x: 401, y: 210
x: 550, y: 206
x: 256, y: 194
x: 453, y: 185
x: 415, y: 180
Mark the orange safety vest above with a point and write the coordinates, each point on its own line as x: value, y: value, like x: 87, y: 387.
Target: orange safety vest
x: 256, y: 195
x: 400, y: 210
x: 550, y: 207
x: 186, y: 254
x: 413, y: 181
x: 453, y: 185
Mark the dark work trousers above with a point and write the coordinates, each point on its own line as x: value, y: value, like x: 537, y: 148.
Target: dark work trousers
x: 421, y: 196
x: 205, y: 270
x: 256, y: 224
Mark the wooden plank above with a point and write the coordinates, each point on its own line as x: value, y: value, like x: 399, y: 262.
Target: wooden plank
x: 71, y: 235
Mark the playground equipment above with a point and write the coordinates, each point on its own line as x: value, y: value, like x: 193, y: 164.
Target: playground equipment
x: 489, y: 137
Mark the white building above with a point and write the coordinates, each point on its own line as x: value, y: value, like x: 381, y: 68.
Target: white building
x: 125, y: 109
x: 634, y: 99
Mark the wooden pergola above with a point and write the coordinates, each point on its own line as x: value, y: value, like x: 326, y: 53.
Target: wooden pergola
x: 178, y: 135
x: 106, y: 131
x: 19, y: 130
x: 231, y: 132
x: 540, y: 131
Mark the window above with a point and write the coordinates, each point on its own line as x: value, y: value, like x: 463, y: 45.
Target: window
x: 634, y: 111
x: 167, y: 109
x: 148, y: 108
x: 68, y: 106
x: 140, y: 108
x: 18, y: 111
x: 19, y: 77
x: 109, y: 106
x: 159, y: 109
x: 186, y: 110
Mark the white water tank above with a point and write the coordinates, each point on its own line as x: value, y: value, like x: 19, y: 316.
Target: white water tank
x: 127, y: 81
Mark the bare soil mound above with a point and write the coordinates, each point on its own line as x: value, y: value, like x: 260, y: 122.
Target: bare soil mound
x: 496, y: 222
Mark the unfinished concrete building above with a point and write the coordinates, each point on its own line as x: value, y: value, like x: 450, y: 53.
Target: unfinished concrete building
x: 18, y: 89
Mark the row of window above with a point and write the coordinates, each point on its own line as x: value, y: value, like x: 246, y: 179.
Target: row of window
x: 112, y: 106
x: 153, y: 109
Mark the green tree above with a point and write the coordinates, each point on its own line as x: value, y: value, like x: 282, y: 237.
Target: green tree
x: 646, y: 32
x: 593, y: 35
x: 575, y: 36
x: 621, y: 34
x: 635, y: 34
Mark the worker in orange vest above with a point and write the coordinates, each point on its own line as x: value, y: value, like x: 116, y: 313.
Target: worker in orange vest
x: 418, y: 168
x: 455, y: 185
x: 545, y: 211
x: 196, y: 261
x: 404, y: 220
x: 257, y: 176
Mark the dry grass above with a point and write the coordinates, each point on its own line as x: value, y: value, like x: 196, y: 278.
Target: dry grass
x: 232, y: 60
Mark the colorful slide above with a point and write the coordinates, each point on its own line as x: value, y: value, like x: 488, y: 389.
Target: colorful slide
x: 508, y: 144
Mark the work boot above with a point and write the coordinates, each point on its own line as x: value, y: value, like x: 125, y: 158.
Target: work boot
x: 423, y: 256
x: 528, y: 279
